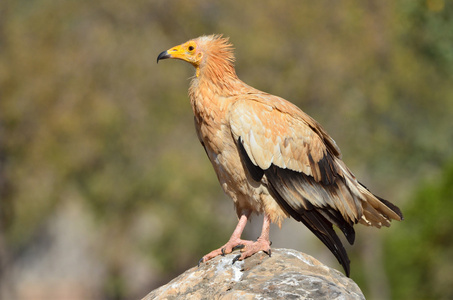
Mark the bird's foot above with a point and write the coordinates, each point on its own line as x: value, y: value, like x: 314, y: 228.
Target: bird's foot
x: 230, y: 246
x: 255, y: 247
x: 248, y: 248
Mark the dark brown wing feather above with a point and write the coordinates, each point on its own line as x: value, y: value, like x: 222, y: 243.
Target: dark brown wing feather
x: 282, y: 185
x: 319, y: 220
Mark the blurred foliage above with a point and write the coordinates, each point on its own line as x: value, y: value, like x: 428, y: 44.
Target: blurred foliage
x: 86, y: 115
x: 421, y: 251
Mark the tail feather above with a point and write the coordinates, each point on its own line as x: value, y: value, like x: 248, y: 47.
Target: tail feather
x: 318, y: 206
x: 378, y: 212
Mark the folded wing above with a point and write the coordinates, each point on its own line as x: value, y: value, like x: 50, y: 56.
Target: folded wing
x: 303, y: 170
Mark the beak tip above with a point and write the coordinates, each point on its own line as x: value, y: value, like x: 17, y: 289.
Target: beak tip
x: 163, y: 55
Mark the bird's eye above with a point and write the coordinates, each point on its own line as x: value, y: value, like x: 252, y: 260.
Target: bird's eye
x: 191, y: 48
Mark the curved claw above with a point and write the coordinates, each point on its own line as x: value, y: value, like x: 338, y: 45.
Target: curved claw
x: 236, y: 258
x: 200, y: 261
x: 223, y: 251
x: 238, y: 247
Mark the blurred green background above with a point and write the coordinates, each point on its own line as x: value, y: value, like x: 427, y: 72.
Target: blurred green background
x: 105, y: 192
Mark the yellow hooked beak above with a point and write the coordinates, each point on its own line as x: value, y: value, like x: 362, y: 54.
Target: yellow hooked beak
x: 187, y: 52
x: 175, y: 52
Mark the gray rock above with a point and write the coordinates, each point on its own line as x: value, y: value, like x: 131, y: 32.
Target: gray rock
x: 288, y: 274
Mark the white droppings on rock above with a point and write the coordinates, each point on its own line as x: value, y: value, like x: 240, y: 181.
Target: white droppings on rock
x: 225, y: 265
x: 237, y: 273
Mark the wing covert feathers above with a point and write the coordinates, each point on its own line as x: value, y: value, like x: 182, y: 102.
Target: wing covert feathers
x: 277, y: 132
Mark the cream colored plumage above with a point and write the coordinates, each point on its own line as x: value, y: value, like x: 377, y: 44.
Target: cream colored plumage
x: 271, y: 158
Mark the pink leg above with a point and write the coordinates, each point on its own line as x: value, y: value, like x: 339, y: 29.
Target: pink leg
x: 234, y: 241
x: 262, y: 244
x: 248, y: 248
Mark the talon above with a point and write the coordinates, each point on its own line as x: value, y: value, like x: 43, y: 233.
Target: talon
x: 270, y: 243
x: 238, y: 247
x: 236, y: 258
x: 200, y: 261
x: 268, y: 252
x: 223, y: 251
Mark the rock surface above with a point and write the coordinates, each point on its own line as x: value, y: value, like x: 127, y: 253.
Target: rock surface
x: 288, y: 274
